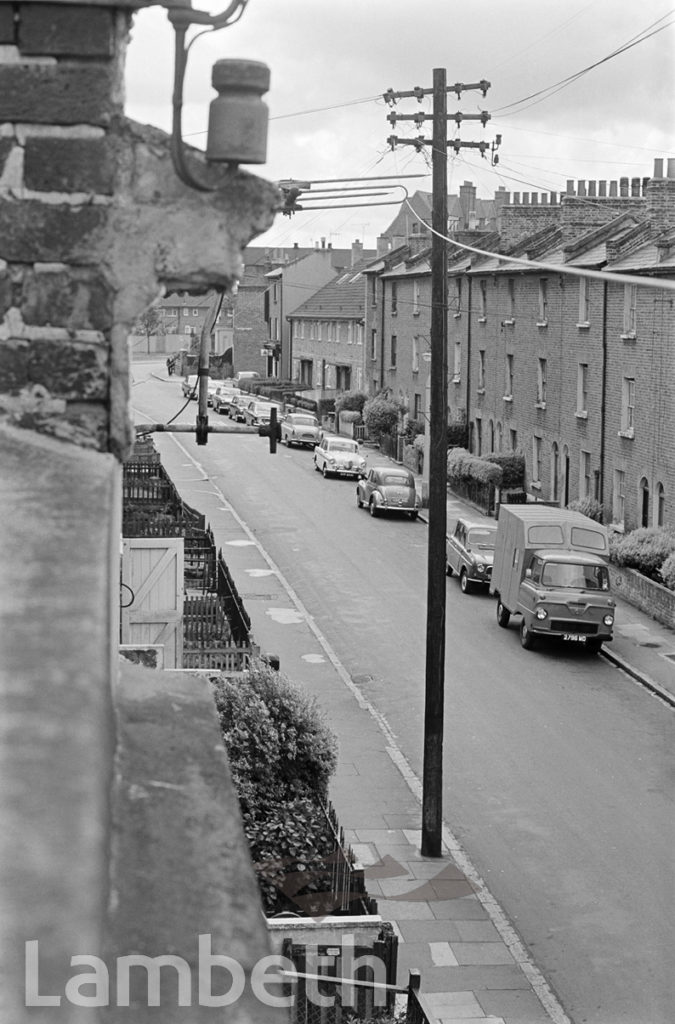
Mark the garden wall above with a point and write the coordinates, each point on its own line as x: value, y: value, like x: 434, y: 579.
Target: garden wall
x: 650, y: 597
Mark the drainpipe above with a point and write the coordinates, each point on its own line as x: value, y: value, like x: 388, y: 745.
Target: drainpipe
x: 382, y: 342
x: 468, y: 359
x: 603, y: 394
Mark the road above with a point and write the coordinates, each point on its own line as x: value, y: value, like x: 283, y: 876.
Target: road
x: 558, y: 770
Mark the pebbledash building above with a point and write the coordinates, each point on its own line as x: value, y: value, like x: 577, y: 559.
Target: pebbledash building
x: 577, y: 372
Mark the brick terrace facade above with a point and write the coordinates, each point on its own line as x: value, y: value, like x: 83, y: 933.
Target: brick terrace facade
x: 577, y: 373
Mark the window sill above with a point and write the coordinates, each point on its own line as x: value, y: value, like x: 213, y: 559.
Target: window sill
x: 509, y: 322
x: 482, y: 319
x: 507, y: 398
x: 456, y: 379
x: 415, y: 369
x: 628, y: 336
x: 629, y: 434
x: 480, y: 391
x: 584, y: 326
x: 540, y: 405
x: 394, y: 312
x: 617, y: 527
x: 542, y: 323
x: 535, y: 485
x: 415, y: 312
x: 457, y: 316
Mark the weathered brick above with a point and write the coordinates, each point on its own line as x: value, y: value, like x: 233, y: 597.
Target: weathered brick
x: 5, y: 294
x: 68, y: 165
x: 68, y: 370
x: 34, y: 232
x: 51, y: 30
x: 63, y: 93
x: 6, y: 24
x: 78, y: 299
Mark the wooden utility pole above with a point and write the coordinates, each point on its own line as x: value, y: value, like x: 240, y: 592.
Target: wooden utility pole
x: 432, y: 780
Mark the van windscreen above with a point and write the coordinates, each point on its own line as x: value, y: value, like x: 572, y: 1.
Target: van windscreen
x: 542, y: 536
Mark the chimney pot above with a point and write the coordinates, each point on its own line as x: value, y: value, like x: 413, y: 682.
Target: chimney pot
x: 613, y: 189
x: 671, y: 168
x: 658, y: 167
x: 602, y: 189
x: 544, y: 199
x: 592, y: 185
x: 570, y: 187
x: 635, y: 186
x: 581, y: 188
x: 554, y: 198
x: 516, y: 198
x: 623, y: 186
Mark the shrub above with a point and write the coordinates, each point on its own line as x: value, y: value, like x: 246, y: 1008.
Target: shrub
x: 278, y: 744
x: 380, y: 416
x: 457, y: 435
x: 588, y: 507
x: 350, y: 416
x: 512, y: 465
x: 667, y: 572
x: 418, y: 443
x: 351, y: 401
x: 465, y: 467
x: 645, y: 549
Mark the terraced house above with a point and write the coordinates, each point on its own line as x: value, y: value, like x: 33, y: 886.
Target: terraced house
x: 326, y: 335
x: 576, y: 371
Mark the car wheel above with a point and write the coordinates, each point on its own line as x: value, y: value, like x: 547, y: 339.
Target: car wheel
x: 464, y: 584
x: 372, y: 508
x: 526, y: 637
x: 503, y: 615
x: 449, y: 571
x: 594, y: 646
x: 359, y: 503
x: 413, y: 515
x: 324, y: 471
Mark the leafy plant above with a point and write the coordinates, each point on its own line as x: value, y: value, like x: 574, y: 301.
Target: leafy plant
x: 465, y: 467
x: 381, y: 416
x: 645, y: 549
x: 667, y: 572
x: 512, y: 465
x: 351, y: 401
x: 278, y: 743
x: 588, y: 507
x: 457, y: 435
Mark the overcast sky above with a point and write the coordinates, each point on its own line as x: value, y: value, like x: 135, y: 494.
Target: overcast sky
x: 344, y: 54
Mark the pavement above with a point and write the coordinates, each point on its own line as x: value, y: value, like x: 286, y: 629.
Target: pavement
x: 474, y: 967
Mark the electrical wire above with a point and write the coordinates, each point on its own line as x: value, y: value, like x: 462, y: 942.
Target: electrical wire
x: 553, y: 268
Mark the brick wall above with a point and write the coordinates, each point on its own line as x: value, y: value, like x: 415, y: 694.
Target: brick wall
x: 93, y: 222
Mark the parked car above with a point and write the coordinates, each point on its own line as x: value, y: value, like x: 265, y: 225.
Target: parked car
x: 257, y: 413
x: 213, y: 386
x: 189, y: 386
x: 388, y: 489
x: 300, y: 428
x: 238, y: 404
x: 339, y: 456
x: 223, y: 397
x: 470, y: 552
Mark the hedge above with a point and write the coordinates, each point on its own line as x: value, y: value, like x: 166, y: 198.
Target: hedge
x: 464, y: 466
x: 512, y: 465
x: 646, y: 549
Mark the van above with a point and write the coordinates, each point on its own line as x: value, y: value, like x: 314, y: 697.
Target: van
x: 246, y: 375
x: 550, y: 567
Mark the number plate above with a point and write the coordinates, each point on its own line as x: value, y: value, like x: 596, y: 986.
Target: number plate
x: 578, y: 638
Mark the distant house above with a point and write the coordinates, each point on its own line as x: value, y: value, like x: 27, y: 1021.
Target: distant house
x: 326, y: 335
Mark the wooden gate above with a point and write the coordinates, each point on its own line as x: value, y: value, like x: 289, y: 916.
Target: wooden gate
x: 152, y: 569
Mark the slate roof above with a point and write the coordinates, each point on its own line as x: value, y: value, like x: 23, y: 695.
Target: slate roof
x: 343, y: 298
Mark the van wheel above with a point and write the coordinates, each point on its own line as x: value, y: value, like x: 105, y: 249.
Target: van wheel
x: 503, y: 615
x: 526, y: 637
x: 464, y: 584
x: 448, y: 569
x: 594, y: 646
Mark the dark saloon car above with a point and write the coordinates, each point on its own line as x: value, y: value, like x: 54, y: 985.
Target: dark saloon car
x: 470, y: 552
x: 388, y: 489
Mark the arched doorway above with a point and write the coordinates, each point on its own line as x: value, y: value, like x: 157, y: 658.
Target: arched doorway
x: 644, y: 501
x: 555, y: 472
x: 565, y: 481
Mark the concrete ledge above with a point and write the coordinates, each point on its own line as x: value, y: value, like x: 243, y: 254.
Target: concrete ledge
x: 59, y: 542
x: 181, y: 866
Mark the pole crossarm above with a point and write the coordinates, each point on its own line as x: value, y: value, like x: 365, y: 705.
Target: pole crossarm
x: 458, y: 117
x: 391, y: 95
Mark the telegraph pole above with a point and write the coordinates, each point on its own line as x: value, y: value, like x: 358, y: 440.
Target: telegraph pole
x: 432, y: 779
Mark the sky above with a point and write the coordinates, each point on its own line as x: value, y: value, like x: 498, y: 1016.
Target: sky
x: 331, y: 61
